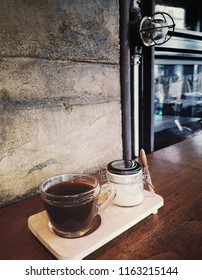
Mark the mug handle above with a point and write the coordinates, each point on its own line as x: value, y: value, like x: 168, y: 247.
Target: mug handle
x: 105, y: 188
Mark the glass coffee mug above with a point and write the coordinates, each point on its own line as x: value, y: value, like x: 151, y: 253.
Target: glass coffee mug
x: 71, y: 202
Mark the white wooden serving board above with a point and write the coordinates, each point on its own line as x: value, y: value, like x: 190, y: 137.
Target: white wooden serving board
x: 114, y: 221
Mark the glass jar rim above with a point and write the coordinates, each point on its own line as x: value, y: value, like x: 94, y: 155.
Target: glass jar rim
x: 124, y: 167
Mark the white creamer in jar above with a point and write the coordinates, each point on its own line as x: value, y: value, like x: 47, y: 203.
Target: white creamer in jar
x: 127, y: 178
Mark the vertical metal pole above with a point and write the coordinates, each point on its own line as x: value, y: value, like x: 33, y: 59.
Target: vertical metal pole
x: 136, y: 59
x: 124, y: 6
x: 136, y: 63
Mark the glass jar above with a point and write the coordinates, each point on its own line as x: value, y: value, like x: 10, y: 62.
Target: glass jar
x: 127, y: 177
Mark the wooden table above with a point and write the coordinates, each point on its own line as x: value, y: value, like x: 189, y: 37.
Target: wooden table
x: 175, y: 232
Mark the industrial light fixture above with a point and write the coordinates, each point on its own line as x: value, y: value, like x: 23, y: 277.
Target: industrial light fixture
x: 154, y: 30
x: 144, y: 31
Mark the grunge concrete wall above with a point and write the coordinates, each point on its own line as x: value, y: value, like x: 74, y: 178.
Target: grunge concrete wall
x: 59, y: 91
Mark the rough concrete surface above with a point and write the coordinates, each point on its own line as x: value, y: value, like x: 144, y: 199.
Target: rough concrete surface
x: 64, y: 29
x: 59, y: 91
x: 27, y: 82
x: 44, y: 142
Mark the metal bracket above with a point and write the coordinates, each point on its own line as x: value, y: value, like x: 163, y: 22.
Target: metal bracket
x: 136, y: 59
x: 135, y: 5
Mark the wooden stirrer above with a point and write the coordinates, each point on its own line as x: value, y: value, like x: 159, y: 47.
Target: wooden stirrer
x: 146, y: 170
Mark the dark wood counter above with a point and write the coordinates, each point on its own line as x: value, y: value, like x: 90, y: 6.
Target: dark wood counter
x: 175, y: 232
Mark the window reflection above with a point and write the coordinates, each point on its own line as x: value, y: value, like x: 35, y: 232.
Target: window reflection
x: 186, y: 13
x: 178, y: 76
x: 178, y: 90
x: 177, y: 102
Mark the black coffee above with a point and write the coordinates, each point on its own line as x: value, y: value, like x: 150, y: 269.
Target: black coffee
x: 71, y: 217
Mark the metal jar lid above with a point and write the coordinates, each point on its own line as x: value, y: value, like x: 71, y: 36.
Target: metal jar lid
x: 124, y: 167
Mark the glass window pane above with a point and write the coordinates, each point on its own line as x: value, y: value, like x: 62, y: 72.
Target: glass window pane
x: 177, y: 102
x: 186, y: 14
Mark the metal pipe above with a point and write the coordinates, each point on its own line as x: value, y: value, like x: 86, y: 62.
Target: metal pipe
x: 136, y: 119
x: 136, y: 52
x: 124, y: 6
